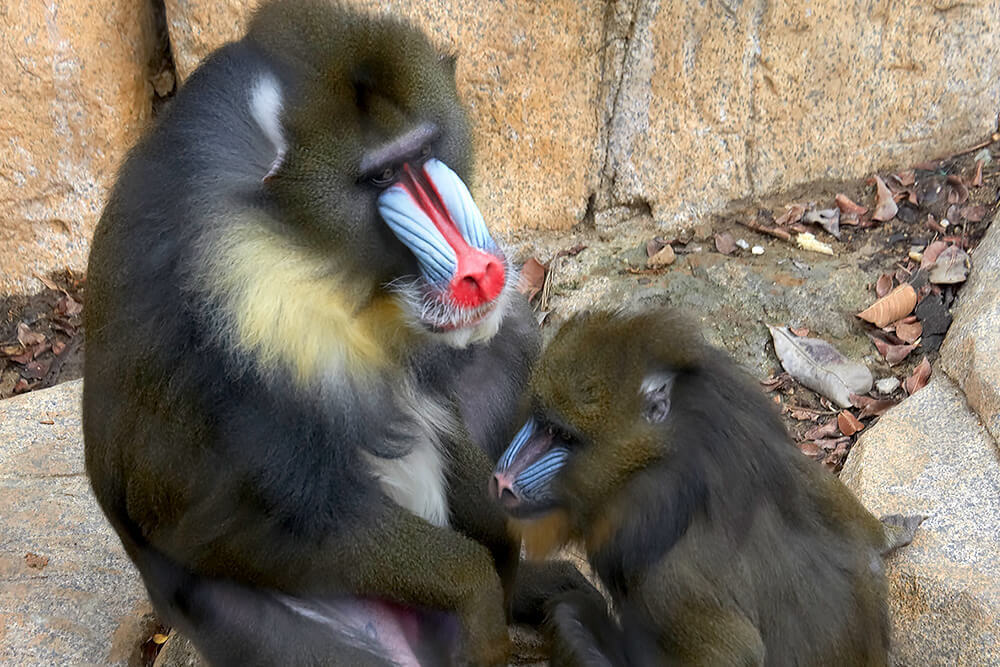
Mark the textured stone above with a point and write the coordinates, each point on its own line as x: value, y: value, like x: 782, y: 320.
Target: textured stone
x: 971, y: 351
x: 724, y: 100
x: 86, y: 605
x: 929, y: 455
x: 73, y: 97
x: 528, y: 72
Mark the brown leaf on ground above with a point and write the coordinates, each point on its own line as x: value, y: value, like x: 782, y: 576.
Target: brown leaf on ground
x: 27, y: 337
x: 951, y: 267
x: 811, y: 449
x: 799, y: 331
x: 58, y: 347
x: 885, y: 205
x: 893, y: 354
x: 871, y: 407
x: 906, y: 178
x: 532, y: 278
x: 36, y: 561
x: 835, y: 459
x: 931, y: 253
x: 826, y: 430
x: 725, y: 243
x: 780, y: 382
x: 958, y: 193
x: 977, y: 180
x: 848, y: 207
x: 884, y: 285
x: 848, y: 423
x: 909, y: 329
x: 793, y: 213
x: 934, y: 225
x: 665, y: 257
x: 68, y: 306
x: 920, y: 377
x: 895, y: 305
x: 973, y: 213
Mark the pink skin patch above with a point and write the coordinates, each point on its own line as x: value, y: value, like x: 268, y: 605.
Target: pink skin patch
x: 479, y: 277
x: 395, y: 628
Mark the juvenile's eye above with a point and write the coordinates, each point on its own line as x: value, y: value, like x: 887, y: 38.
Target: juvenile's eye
x: 387, y: 177
x: 425, y: 151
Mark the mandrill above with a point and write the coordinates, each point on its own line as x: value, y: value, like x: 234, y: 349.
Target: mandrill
x: 719, y: 543
x: 304, y: 353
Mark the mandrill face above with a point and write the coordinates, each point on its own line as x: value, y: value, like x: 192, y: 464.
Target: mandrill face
x: 373, y: 162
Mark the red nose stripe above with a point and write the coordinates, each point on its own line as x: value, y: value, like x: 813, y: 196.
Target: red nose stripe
x: 479, y: 276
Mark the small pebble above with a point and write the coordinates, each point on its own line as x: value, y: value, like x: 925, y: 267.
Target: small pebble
x: 887, y: 385
x: 757, y: 250
x: 743, y: 243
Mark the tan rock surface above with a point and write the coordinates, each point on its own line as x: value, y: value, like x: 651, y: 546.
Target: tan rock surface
x: 73, y: 97
x: 929, y: 455
x: 528, y: 72
x: 725, y: 100
x: 971, y: 351
x: 76, y: 600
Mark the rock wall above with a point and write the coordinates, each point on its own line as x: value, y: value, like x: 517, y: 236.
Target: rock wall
x: 74, y: 95
x: 584, y: 109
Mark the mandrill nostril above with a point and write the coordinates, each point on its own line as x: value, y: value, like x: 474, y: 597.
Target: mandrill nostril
x: 501, y: 487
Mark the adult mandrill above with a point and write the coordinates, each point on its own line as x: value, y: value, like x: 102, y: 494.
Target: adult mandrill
x: 719, y: 542
x: 298, y: 325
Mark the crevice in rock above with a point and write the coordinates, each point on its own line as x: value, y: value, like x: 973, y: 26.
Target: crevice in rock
x: 162, y: 72
x: 618, y: 32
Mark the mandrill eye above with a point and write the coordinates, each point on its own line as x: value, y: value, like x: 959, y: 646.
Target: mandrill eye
x: 425, y: 152
x: 387, y: 177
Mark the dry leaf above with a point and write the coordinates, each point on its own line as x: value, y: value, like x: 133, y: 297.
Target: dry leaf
x: 920, y: 377
x: 895, y: 305
x: 35, y: 561
x: 793, y: 213
x: 906, y: 178
x: 931, y: 253
x: 951, y: 267
x: 909, y: 331
x: 893, y: 354
x: 68, y: 306
x: 27, y: 337
x: 871, y: 407
x: 159, y: 638
x: 799, y: 331
x: 725, y: 243
x: 973, y: 213
x: 848, y: 207
x: 828, y: 219
x: 884, y: 285
x: 532, y: 278
x: 977, y: 180
x: 885, y: 205
x: 958, y: 193
x: 827, y: 430
x: 807, y: 241
x: 811, y: 449
x: 665, y: 257
x: 819, y: 366
x: 848, y: 423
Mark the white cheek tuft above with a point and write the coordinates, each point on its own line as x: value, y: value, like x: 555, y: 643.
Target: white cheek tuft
x: 266, y: 103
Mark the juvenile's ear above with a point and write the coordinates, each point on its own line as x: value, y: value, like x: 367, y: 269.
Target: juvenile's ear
x: 655, y: 391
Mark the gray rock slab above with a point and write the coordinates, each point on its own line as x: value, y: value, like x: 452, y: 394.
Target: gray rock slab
x: 930, y: 455
x: 971, y: 351
x: 85, y: 605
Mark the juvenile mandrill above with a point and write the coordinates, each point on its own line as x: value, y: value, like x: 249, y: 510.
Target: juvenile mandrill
x: 719, y: 542
x: 304, y: 354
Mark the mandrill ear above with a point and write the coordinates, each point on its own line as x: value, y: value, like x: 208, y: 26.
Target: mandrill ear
x: 655, y: 391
